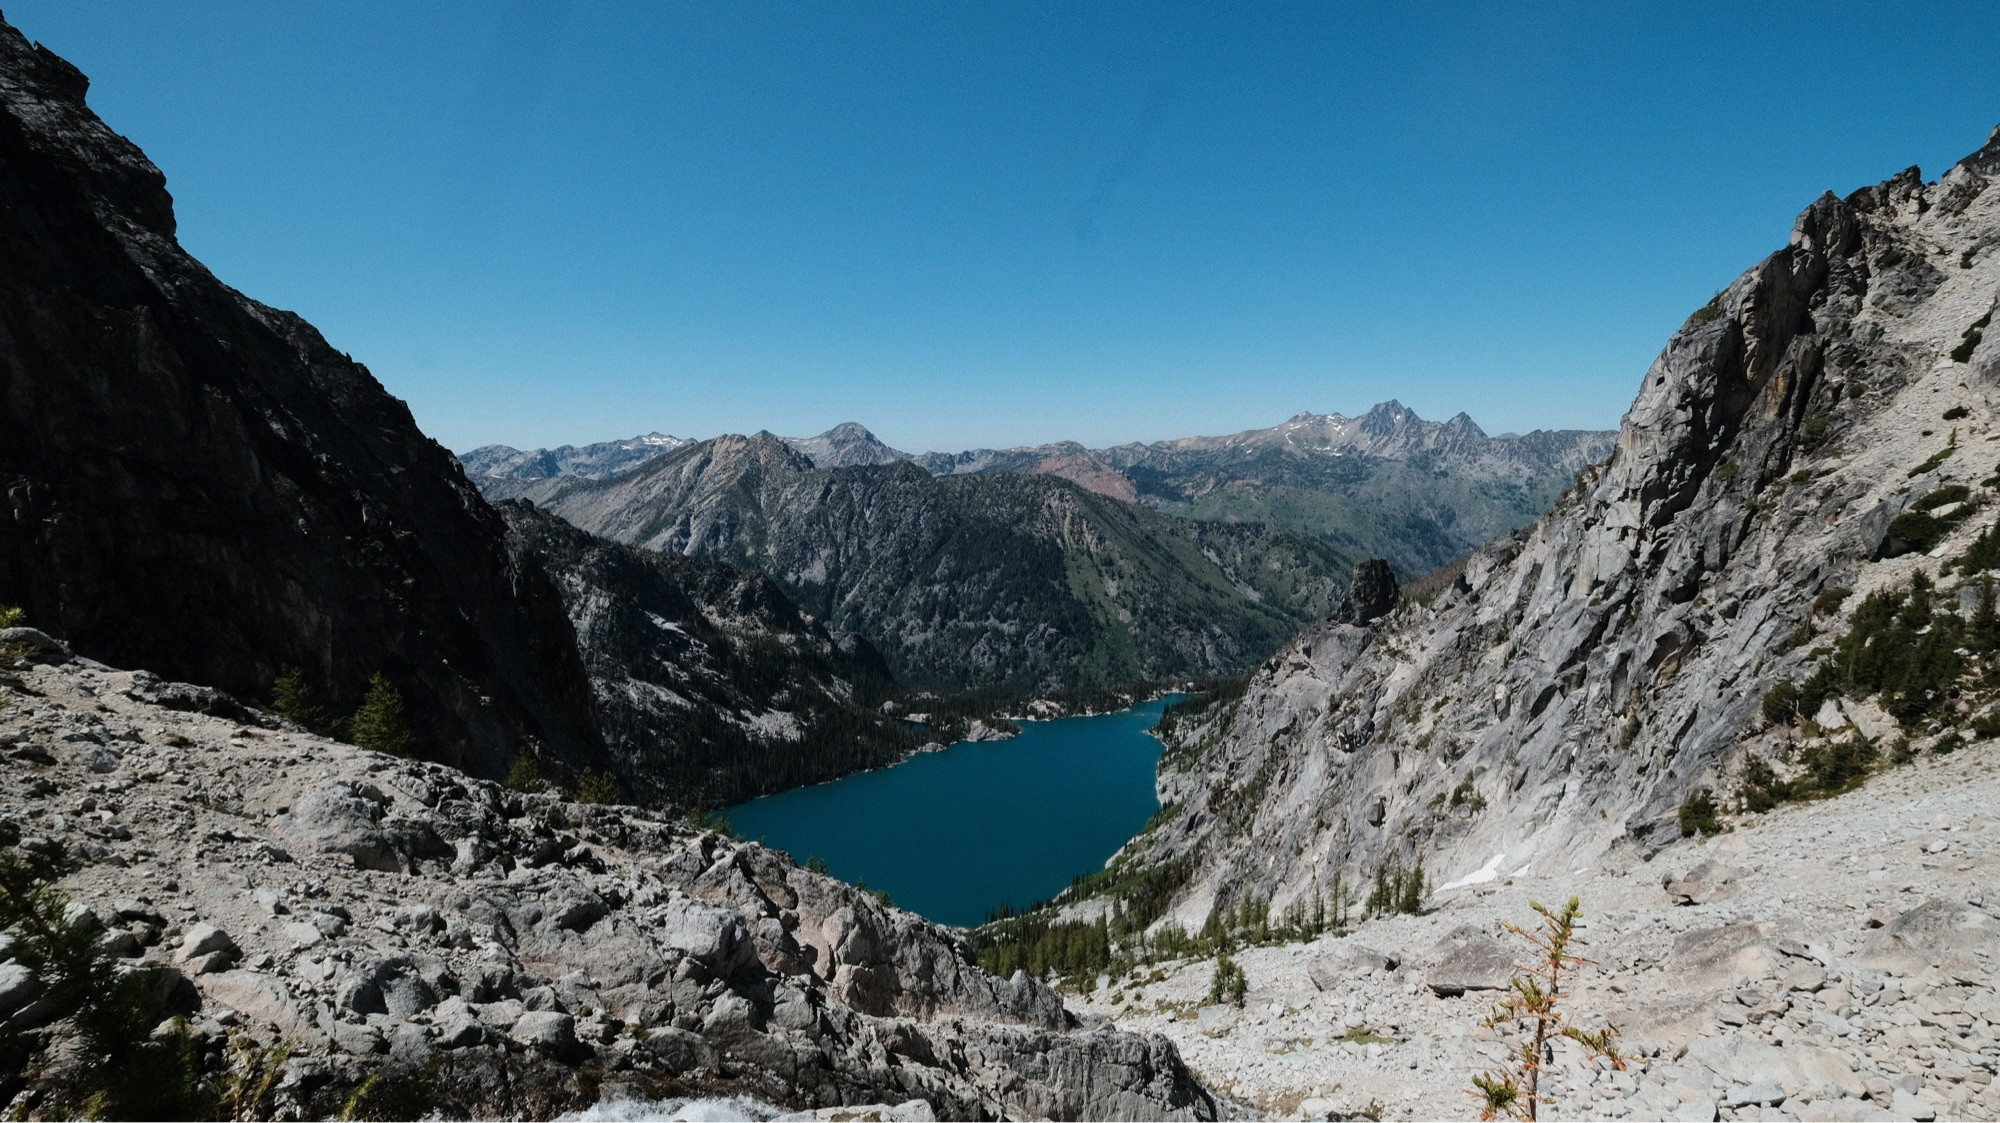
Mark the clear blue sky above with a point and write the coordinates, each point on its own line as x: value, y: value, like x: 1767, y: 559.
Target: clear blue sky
x: 993, y: 224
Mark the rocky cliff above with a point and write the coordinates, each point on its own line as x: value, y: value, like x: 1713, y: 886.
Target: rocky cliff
x: 1558, y: 701
x: 482, y: 953
x: 1004, y: 583
x: 198, y: 484
x: 710, y: 686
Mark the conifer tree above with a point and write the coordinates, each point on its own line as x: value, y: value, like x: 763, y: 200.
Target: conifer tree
x: 293, y: 698
x: 1984, y: 631
x: 381, y: 724
x: 598, y: 785
x: 1531, y: 1013
x: 525, y: 775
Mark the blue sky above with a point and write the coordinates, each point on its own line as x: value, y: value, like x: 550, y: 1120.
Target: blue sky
x: 968, y: 225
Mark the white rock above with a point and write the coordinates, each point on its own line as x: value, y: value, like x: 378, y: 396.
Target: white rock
x: 206, y: 939
x: 547, y: 1030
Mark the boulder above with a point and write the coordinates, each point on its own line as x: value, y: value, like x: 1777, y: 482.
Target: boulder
x: 205, y: 940
x: 1938, y: 931
x: 1370, y: 595
x: 150, y: 688
x: 1217, y: 1020
x: 458, y: 1026
x: 1470, y: 959
x: 35, y: 646
x: 1706, y: 960
x: 256, y: 996
x: 18, y: 987
x: 345, y: 817
x: 682, y: 1052
x: 1346, y: 960
x: 1765, y: 1093
x: 551, y: 1032
x: 715, y: 937
x: 1709, y: 881
x: 361, y: 1040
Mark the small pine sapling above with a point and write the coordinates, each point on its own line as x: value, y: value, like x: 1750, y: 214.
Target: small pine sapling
x: 598, y: 785
x: 1532, y: 1012
x: 1229, y: 985
x: 382, y: 724
x: 294, y: 699
x: 525, y: 776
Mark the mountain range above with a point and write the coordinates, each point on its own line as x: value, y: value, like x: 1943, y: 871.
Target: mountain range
x: 1385, y: 484
x: 1003, y: 584
x: 593, y: 462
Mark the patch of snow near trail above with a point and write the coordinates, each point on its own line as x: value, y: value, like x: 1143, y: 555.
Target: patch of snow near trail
x: 1480, y: 876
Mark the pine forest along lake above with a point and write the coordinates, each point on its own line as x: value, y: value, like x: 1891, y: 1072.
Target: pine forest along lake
x: 953, y: 835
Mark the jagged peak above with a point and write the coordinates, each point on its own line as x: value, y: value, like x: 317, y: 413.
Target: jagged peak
x: 1986, y: 160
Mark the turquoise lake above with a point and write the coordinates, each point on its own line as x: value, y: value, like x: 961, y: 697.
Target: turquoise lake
x: 954, y: 834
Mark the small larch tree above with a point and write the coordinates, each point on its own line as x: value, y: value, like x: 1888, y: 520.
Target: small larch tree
x: 1533, y: 1016
x: 382, y: 723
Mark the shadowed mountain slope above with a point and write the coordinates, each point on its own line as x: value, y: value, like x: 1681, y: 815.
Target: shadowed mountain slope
x: 198, y: 484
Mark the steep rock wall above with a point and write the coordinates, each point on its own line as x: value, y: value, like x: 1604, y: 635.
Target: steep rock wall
x: 1577, y: 681
x: 198, y: 484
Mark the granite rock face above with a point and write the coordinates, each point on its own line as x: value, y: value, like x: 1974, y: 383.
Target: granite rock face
x: 509, y: 955
x: 200, y: 485
x: 1555, y: 701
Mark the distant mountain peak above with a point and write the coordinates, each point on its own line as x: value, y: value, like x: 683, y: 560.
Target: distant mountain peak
x: 846, y: 445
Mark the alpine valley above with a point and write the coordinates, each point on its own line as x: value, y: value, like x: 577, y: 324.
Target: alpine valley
x: 344, y: 776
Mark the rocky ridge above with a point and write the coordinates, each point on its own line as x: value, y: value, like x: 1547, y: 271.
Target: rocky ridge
x: 592, y: 461
x: 1385, y: 484
x: 710, y: 686
x: 1554, y: 704
x: 998, y: 583
x: 489, y: 953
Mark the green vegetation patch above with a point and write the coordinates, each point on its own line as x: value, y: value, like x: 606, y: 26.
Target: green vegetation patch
x: 1826, y: 770
x: 382, y: 724
x: 1699, y: 815
x: 1936, y: 458
x: 1229, y: 984
x: 1918, y: 658
x: 1921, y: 528
x: 1969, y: 342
